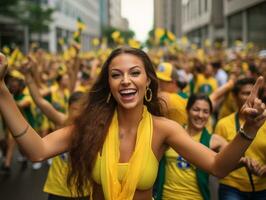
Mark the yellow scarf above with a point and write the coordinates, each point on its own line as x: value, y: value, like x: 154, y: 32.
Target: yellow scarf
x: 114, y: 189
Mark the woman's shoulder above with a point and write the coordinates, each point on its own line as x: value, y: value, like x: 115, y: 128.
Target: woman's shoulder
x: 164, y: 124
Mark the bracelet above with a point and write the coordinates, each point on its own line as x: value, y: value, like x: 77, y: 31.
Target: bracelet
x: 22, y: 133
x: 244, y: 135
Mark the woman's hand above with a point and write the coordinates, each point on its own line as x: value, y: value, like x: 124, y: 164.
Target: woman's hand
x: 252, y: 165
x: 254, y: 110
x: 262, y: 170
x: 3, y: 66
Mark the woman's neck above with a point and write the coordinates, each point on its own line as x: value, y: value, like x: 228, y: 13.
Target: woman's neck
x: 192, y: 131
x: 128, y: 119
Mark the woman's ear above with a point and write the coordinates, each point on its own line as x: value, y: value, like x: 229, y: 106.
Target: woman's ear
x: 148, y: 82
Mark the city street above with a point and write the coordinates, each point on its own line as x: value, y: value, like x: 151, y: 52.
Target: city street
x: 24, y: 183
x: 143, y: 99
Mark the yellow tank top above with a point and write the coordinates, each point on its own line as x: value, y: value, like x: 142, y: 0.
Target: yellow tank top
x: 148, y: 175
x: 180, y: 177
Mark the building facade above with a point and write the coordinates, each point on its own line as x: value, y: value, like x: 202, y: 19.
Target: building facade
x: 245, y: 20
x: 225, y: 20
x: 203, y: 19
x: 12, y: 34
x: 167, y: 14
x: 65, y: 18
x: 115, y: 18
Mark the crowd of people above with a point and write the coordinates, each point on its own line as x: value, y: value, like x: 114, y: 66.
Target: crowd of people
x: 126, y: 123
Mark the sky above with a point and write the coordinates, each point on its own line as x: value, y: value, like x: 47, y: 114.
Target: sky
x: 140, y: 16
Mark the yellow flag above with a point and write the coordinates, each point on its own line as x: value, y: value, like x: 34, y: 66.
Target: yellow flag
x: 61, y: 41
x: 115, y: 35
x: 80, y: 25
x: 200, y: 55
x: 238, y: 43
x: 121, y: 41
x: 159, y: 32
x: 17, y: 74
x: 171, y: 36
x: 134, y: 43
x: 207, y: 43
x: 250, y: 45
x: 193, y: 46
x: 184, y: 41
x: 95, y: 42
x: 6, y: 50
x: 13, y: 57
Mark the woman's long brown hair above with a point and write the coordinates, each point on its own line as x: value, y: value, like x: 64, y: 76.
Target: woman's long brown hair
x: 91, y: 126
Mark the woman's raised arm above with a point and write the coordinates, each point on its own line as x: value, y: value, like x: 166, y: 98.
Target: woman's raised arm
x: 227, y: 159
x: 34, y: 147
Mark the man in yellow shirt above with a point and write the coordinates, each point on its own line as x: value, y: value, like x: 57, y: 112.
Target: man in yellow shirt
x: 240, y: 184
x: 205, y: 82
x: 175, y: 104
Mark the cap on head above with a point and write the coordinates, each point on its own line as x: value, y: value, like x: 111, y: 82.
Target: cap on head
x: 166, y: 72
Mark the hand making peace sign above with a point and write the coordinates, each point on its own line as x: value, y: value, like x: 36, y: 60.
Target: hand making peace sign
x: 254, y: 110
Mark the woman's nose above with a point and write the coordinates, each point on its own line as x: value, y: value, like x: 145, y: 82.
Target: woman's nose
x: 126, y: 79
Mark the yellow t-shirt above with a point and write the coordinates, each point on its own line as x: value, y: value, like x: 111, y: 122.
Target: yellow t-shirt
x: 180, y: 177
x: 60, y: 99
x: 177, y: 108
x: 205, y: 85
x: 56, y: 181
x: 228, y: 107
x: 82, y: 88
x: 257, y: 150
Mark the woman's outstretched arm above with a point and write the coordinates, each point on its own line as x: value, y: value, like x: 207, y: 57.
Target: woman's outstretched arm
x: 227, y: 159
x: 34, y: 147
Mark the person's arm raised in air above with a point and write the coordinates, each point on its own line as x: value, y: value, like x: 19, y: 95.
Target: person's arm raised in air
x: 73, y: 67
x: 218, y: 95
x: 219, y: 164
x: 34, y: 147
x: 51, y: 113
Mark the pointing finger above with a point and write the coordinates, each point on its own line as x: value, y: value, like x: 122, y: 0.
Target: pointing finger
x: 255, y: 89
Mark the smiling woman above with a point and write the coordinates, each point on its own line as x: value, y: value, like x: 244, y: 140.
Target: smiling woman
x: 128, y: 80
x: 125, y: 169
x: 178, y: 178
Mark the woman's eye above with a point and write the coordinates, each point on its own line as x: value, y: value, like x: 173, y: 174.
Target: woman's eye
x: 195, y: 109
x: 115, y: 75
x: 135, y: 73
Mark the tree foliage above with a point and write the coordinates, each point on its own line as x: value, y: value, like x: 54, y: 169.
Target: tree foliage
x: 7, y: 7
x: 36, y: 17
x: 29, y: 13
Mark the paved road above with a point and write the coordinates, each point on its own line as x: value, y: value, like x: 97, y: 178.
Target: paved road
x: 23, y: 183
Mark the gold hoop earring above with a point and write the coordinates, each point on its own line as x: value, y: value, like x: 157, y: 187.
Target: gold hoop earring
x: 108, y: 98
x: 148, y: 94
